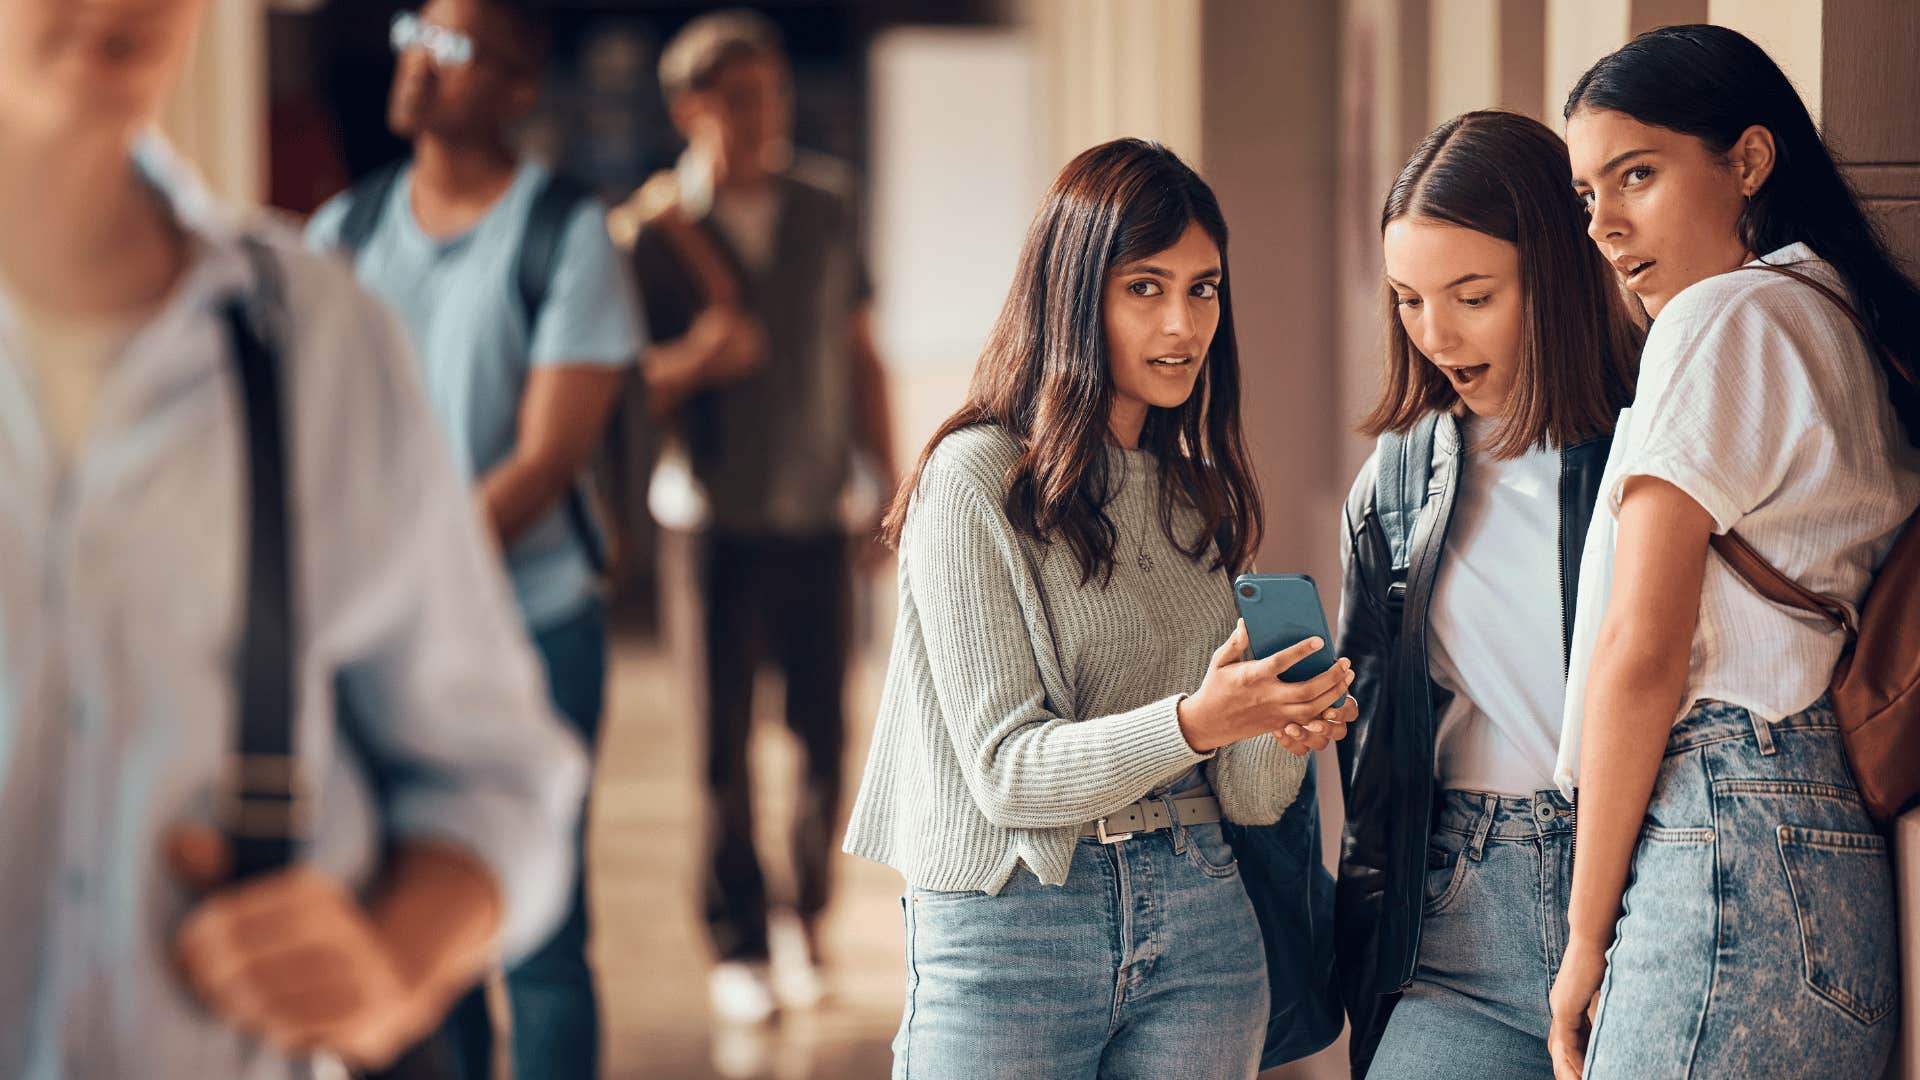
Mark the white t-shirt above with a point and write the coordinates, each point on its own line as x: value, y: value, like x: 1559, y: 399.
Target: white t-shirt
x: 70, y: 358
x: 748, y: 220
x: 1495, y: 624
x: 1760, y: 400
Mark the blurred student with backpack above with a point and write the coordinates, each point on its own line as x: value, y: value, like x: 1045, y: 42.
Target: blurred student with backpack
x: 750, y: 268
x: 520, y: 310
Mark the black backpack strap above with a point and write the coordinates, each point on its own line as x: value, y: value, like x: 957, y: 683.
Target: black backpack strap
x: 264, y: 805
x: 546, y: 234
x: 539, y: 259
x: 1403, y: 467
x: 366, y: 203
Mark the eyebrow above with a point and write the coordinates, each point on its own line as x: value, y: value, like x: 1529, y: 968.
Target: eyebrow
x: 1618, y: 160
x: 1461, y: 280
x: 1162, y: 272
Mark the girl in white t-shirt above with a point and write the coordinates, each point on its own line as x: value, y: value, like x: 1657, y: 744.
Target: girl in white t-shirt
x: 1756, y: 936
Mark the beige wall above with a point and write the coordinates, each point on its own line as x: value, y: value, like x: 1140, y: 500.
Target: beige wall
x: 1268, y: 144
x: 218, y: 115
x: 1578, y: 33
x: 1118, y: 67
x: 1790, y: 31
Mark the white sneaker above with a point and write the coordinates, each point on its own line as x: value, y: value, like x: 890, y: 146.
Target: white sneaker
x: 741, y: 993
x: 797, y: 980
x: 743, y: 1051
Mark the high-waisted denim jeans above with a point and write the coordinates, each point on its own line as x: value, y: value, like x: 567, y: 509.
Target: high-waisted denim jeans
x: 1491, y: 936
x: 1147, y: 963
x: 1758, y: 936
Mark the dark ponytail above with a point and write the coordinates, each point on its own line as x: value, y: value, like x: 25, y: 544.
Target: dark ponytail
x: 1712, y: 83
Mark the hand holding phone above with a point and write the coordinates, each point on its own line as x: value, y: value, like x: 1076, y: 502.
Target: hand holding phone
x: 1241, y: 698
x: 1282, y: 610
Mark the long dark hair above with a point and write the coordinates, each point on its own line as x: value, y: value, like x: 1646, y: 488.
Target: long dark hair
x: 1043, y: 376
x: 1712, y: 83
x: 1505, y: 175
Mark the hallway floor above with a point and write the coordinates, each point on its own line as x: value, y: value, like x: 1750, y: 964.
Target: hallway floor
x: 650, y: 946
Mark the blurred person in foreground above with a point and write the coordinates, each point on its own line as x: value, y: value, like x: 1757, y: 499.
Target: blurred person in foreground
x: 436, y: 828
x: 523, y: 319
x: 751, y: 273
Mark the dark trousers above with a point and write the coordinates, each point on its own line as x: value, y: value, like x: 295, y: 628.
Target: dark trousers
x: 550, y: 994
x: 785, y: 601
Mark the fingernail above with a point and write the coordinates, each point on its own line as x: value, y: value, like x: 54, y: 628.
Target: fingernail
x: 1293, y: 730
x: 1316, y: 727
x: 1329, y: 714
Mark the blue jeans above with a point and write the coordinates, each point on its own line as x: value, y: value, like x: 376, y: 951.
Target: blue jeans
x: 1491, y: 935
x: 556, y: 1018
x: 1758, y: 935
x: 1147, y: 963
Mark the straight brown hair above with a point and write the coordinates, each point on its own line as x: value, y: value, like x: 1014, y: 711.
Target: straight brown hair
x: 1043, y: 376
x: 1507, y: 176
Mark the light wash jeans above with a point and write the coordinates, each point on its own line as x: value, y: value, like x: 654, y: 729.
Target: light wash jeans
x: 1491, y: 935
x: 1147, y: 963
x: 1758, y: 936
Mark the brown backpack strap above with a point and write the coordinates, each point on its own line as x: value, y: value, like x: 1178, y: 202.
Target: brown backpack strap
x: 1769, y: 582
x: 657, y: 203
x: 1766, y: 579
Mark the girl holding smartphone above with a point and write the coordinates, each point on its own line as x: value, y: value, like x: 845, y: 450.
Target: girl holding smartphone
x: 1509, y: 352
x: 1732, y: 908
x: 1067, y: 717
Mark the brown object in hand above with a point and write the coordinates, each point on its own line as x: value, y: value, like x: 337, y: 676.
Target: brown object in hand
x: 1876, y: 684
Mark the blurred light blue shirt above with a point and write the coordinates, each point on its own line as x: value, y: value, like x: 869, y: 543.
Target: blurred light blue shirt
x: 121, y: 600
x: 459, y: 300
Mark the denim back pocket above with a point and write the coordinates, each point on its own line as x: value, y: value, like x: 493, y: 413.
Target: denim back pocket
x: 1842, y: 887
x: 1445, y: 869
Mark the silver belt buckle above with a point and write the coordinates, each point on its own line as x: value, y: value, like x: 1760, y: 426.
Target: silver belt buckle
x: 1100, y: 830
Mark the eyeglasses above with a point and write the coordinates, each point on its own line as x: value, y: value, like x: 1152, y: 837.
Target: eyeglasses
x: 446, y: 48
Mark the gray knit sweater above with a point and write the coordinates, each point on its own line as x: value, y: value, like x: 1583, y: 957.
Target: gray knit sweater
x: 1021, y: 704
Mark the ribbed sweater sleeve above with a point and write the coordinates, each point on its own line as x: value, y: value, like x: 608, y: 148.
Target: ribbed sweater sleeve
x: 990, y: 658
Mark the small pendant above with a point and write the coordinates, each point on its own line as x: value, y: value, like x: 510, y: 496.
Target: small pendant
x: 1144, y: 561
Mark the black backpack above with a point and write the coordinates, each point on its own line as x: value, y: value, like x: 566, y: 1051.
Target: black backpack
x: 535, y: 265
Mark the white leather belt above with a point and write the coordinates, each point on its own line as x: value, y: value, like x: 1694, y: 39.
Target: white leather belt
x: 1150, y: 815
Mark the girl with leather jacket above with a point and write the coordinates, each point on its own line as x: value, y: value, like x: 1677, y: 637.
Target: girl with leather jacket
x: 1509, y: 352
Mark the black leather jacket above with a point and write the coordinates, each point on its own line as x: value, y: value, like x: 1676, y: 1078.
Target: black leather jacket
x: 1387, y: 759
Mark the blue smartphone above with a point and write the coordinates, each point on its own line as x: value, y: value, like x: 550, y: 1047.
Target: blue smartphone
x: 1281, y: 611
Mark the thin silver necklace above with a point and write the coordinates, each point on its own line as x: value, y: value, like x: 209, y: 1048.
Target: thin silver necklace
x: 1142, y: 558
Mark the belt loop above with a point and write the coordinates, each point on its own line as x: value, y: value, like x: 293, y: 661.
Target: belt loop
x: 1477, y: 844
x: 1178, y: 831
x: 1762, y: 733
